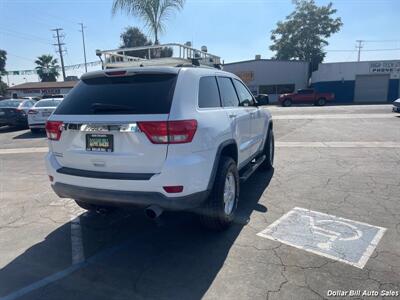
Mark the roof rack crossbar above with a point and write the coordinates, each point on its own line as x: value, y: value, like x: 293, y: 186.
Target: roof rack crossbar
x: 149, y: 56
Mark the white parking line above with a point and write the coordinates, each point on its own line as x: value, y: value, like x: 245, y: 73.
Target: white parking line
x: 77, y: 249
x: 333, y: 116
x: 337, y: 144
x: 24, y: 150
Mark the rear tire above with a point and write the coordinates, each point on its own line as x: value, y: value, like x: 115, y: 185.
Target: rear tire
x: 269, y: 152
x: 321, y: 102
x: 287, y: 102
x: 35, y: 130
x: 219, y: 210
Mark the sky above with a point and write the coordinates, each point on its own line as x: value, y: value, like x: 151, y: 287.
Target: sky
x: 232, y: 29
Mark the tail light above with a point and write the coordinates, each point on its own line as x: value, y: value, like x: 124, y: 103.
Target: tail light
x: 20, y: 111
x: 116, y: 73
x: 53, y: 130
x: 169, y: 132
x: 32, y: 112
x: 173, y: 188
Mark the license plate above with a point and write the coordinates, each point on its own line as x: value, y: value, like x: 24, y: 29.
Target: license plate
x: 46, y: 114
x: 100, y: 142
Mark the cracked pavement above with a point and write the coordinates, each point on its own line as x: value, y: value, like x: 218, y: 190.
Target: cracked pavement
x: 175, y: 258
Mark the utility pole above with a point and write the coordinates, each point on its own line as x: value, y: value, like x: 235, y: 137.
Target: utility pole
x: 60, y: 50
x: 84, y: 47
x: 359, y: 46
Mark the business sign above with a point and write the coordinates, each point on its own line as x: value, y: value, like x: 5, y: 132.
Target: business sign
x: 42, y: 91
x: 385, y: 67
x: 246, y: 76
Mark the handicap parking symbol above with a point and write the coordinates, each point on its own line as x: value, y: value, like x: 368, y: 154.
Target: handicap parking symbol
x: 345, y: 240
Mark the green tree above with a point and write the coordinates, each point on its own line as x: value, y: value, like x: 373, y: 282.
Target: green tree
x: 153, y: 12
x: 302, y: 35
x: 134, y: 37
x: 3, y: 58
x: 3, y: 88
x: 47, y: 68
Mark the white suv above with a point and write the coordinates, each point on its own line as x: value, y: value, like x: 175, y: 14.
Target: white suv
x: 175, y: 138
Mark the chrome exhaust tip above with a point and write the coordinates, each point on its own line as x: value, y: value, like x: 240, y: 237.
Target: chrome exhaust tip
x: 153, y: 212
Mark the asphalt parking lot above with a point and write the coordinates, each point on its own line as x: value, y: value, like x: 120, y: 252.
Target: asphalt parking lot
x: 338, y: 160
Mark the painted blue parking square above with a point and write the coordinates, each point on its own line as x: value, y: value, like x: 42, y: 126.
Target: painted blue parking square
x: 344, y: 240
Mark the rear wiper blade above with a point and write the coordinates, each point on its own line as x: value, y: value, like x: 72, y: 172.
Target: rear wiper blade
x: 111, y: 107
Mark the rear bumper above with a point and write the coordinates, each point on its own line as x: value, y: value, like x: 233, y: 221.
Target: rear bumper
x: 396, y: 108
x: 20, y: 121
x: 126, y: 198
x: 37, y: 125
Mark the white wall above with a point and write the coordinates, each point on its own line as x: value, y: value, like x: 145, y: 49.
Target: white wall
x: 269, y: 72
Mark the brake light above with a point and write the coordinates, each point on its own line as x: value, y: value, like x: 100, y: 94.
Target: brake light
x: 169, y: 132
x: 173, y: 188
x: 54, y: 129
x: 32, y: 112
x: 116, y: 73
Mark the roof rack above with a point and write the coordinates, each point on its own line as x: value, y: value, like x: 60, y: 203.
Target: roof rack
x: 172, y: 54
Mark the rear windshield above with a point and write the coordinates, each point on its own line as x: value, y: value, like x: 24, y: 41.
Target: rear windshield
x: 47, y: 103
x: 10, y: 103
x: 138, y: 94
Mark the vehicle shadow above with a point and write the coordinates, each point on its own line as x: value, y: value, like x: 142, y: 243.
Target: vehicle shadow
x: 30, y: 135
x: 131, y: 257
x: 5, y: 129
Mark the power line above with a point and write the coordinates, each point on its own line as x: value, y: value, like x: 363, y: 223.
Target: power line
x: 392, y: 49
x: 381, y: 41
x: 23, y: 37
x: 366, y: 50
x: 60, y: 49
x: 24, y: 34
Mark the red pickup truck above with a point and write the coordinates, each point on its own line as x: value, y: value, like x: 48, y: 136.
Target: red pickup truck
x: 305, y: 96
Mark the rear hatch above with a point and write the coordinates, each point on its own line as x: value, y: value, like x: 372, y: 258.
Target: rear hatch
x: 43, y: 109
x: 9, y: 110
x: 7, y: 113
x: 100, y: 123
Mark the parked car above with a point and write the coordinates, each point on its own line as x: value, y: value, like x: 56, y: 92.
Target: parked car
x: 174, y: 138
x: 14, y: 112
x: 31, y: 98
x: 51, y: 96
x: 40, y: 112
x: 305, y: 96
x: 396, y: 106
x: 262, y: 99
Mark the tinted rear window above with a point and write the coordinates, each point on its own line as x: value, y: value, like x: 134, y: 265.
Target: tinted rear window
x: 10, y: 103
x: 228, y: 93
x: 208, y: 92
x: 47, y: 103
x: 143, y: 94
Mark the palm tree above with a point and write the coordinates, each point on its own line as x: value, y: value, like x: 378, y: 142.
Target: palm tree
x: 153, y: 12
x: 47, y: 68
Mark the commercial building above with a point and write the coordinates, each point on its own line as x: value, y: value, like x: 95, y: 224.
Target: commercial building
x: 360, y: 82
x: 272, y: 77
x: 38, y: 89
